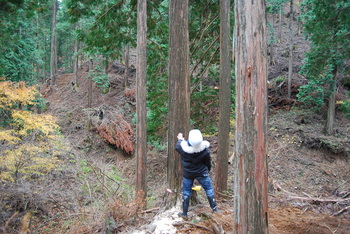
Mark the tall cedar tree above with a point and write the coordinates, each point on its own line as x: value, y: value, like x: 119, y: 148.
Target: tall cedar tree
x: 141, y: 113
x: 179, y: 88
x: 53, y: 59
x: 224, y: 99
x: 250, y: 162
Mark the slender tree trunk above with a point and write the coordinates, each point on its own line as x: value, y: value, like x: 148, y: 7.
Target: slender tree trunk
x: 46, y: 75
x: 55, y: 65
x: 53, y: 47
x: 272, y: 45
x: 38, y: 66
x: 90, y: 84
x: 141, y: 113
x: 126, y: 74
x: 290, y: 66
x: 299, y: 23
x: 250, y: 162
x: 75, y: 59
x: 179, y: 89
x: 224, y: 98
x: 331, y: 105
x: 280, y: 23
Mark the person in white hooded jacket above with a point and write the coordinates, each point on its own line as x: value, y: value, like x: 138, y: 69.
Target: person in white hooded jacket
x: 196, y: 164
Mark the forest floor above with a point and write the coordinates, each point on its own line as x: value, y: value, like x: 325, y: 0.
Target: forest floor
x: 308, y: 184
x: 309, y: 172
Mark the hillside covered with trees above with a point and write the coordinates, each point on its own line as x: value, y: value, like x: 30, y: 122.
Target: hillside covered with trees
x: 93, y: 93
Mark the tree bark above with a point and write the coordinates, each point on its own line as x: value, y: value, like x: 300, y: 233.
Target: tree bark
x: 280, y: 24
x: 224, y: 98
x: 53, y: 46
x: 38, y: 66
x: 290, y: 65
x: 250, y: 162
x: 272, y: 45
x: 179, y: 89
x: 331, y: 105
x: 141, y: 113
x: 126, y: 73
x: 90, y: 84
x: 55, y: 66
x: 75, y: 59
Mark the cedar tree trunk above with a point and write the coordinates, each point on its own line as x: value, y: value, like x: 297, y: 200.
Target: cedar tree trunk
x: 250, y: 161
x: 141, y: 125
x: 224, y: 98
x: 179, y: 89
x: 53, y: 46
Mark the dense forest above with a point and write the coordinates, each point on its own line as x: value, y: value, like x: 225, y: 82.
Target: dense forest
x: 93, y: 94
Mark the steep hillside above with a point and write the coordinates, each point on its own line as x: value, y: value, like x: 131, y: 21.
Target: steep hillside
x: 309, y: 172
x: 309, y: 184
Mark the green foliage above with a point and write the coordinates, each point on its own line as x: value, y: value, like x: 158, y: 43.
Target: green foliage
x: 205, y: 62
x: 109, y: 25
x: 275, y: 6
x: 100, y: 78
x: 23, y: 39
x: 17, y: 53
x: 318, y: 88
x: 102, y: 184
x: 65, y: 40
x: 105, y: 28
x: 157, y: 77
x: 328, y: 26
x: 345, y: 106
x: 204, y: 45
x: 204, y: 108
x: 30, y: 142
x: 312, y: 94
x: 10, y: 6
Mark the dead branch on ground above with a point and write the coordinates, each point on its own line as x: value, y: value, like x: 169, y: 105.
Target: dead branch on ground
x: 150, y: 210
x: 218, y: 229
x: 323, y: 200
x: 342, y: 211
x: 193, y: 224
x: 318, y: 200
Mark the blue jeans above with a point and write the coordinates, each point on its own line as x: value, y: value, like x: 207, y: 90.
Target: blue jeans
x: 203, y: 180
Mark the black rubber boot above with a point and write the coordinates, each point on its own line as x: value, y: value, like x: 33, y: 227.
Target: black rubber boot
x: 185, y: 204
x: 212, y: 204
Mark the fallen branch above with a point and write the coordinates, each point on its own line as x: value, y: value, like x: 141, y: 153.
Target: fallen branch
x: 150, y: 210
x: 9, y: 220
x: 346, y: 194
x: 325, y: 200
x: 218, y: 229
x: 331, y: 229
x: 279, y: 188
x: 193, y: 224
x: 309, y: 197
x: 342, y: 210
x: 225, y: 195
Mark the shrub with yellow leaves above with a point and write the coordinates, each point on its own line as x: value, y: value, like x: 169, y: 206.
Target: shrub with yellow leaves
x: 30, y: 141
x: 13, y: 94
